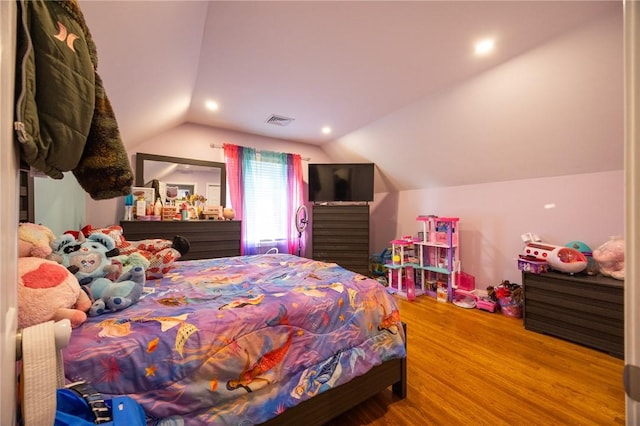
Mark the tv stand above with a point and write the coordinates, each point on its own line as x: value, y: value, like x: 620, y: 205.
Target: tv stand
x: 340, y: 234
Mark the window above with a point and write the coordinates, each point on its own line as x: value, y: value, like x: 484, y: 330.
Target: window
x: 265, y: 189
x: 266, y: 201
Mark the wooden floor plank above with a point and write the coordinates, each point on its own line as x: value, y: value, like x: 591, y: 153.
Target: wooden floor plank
x: 473, y: 367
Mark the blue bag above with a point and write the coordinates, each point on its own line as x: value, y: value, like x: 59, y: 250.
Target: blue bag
x: 79, y: 404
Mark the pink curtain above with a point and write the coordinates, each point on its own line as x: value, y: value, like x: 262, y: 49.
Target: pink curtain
x: 235, y: 181
x: 233, y: 160
x: 295, y: 184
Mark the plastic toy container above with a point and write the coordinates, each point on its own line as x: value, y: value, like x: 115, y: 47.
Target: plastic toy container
x: 532, y: 265
x: 465, y: 281
x: 510, y: 308
x: 486, y: 304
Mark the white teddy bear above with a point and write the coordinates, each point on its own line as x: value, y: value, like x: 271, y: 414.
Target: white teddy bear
x: 610, y: 258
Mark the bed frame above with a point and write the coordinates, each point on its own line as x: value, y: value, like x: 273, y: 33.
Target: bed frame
x: 323, y: 407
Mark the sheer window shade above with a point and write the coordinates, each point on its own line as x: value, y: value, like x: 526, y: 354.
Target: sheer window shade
x: 266, y: 196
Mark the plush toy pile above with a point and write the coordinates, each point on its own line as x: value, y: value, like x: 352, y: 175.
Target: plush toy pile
x: 75, y: 275
x: 91, y: 272
x: 46, y: 290
x: 159, y: 254
x: 90, y: 260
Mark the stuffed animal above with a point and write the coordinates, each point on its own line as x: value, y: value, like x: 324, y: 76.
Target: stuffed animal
x: 112, y: 296
x: 161, y: 253
x: 91, y: 260
x: 48, y: 291
x: 87, y: 258
x: 34, y: 240
x: 610, y: 258
x: 126, y: 262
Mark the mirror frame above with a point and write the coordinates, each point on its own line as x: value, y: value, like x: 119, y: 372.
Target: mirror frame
x: 141, y: 157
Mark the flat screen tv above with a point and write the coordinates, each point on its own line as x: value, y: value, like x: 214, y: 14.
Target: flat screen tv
x: 341, y: 182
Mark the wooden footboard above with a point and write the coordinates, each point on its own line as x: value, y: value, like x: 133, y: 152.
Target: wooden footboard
x: 327, y: 405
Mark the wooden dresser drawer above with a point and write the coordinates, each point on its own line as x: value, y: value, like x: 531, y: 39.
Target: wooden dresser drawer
x: 209, y: 239
x: 583, y: 309
x: 340, y: 234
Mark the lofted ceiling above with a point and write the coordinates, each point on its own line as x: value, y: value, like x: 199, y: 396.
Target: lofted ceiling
x: 343, y: 64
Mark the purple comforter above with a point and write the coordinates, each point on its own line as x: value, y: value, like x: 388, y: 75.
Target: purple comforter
x: 238, y: 340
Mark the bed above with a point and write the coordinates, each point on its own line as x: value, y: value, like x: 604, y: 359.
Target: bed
x: 271, y: 339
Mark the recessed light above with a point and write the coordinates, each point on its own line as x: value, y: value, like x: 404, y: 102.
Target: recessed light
x: 326, y: 130
x: 484, y: 46
x: 212, y: 105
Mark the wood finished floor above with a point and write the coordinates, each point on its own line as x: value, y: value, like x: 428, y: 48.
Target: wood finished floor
x: 470, y: 367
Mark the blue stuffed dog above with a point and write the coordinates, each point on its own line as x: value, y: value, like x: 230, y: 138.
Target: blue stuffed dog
x: 111, y: 296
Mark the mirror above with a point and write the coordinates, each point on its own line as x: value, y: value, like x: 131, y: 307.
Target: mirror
x: 183, y: 176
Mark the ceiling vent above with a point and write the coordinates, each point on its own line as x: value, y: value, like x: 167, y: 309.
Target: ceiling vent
x: 279, y: 120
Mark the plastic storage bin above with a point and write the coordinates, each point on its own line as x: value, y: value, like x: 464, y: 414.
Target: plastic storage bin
x: 510, y: 308
x: 465, y: 281
x: 486, y: 304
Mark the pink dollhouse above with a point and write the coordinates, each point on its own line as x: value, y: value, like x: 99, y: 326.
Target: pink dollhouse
x: 428, y: 264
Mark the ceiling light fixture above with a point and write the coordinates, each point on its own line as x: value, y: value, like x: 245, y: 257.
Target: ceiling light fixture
x: 326, y: 130
x: 212, y: 105
x: 484, y: 46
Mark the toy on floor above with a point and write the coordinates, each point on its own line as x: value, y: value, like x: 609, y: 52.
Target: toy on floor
x: 48, y: 291
x: 485, y: 303
x: 506, y: 289
x: 509, y: 296
x: 464, y: 301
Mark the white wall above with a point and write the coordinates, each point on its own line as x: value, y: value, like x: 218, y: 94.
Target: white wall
x: 60, y: 203
x: 508, y: 121
x: 554, y: 110
x: 587, y: 208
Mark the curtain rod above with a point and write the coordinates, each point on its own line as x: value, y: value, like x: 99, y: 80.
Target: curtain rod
x: 213, y: 145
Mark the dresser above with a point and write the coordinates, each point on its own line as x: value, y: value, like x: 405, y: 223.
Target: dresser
x: 208, y: 238
x: 588, y: 310
x: 26, y: 196
x: 340, y: 234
